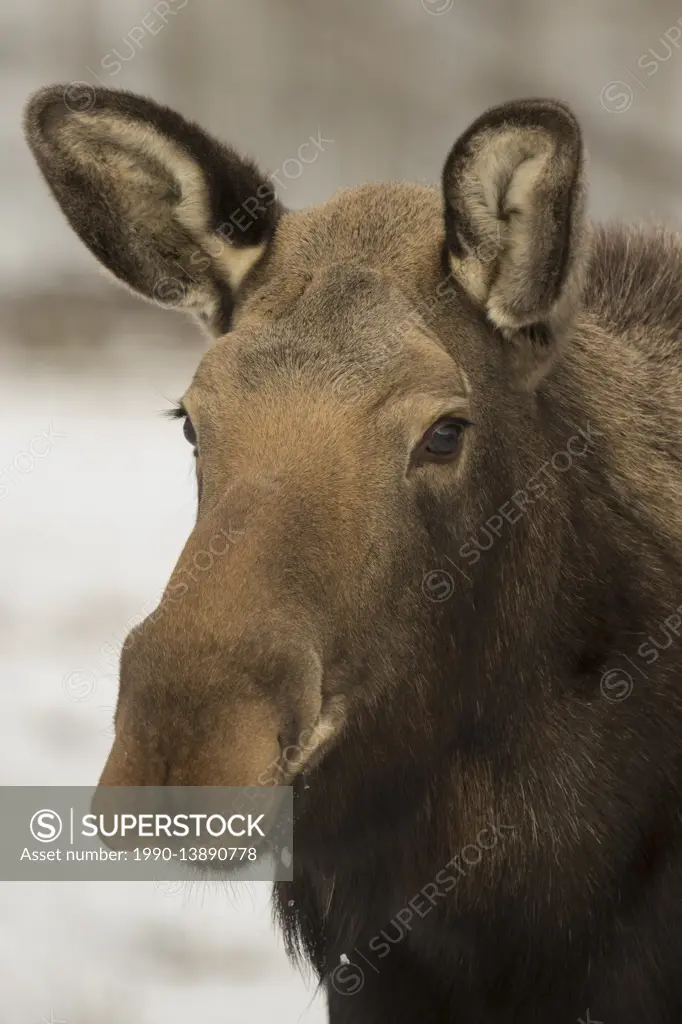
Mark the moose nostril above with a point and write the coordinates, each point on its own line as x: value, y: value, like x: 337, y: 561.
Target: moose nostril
x: 243, y: 726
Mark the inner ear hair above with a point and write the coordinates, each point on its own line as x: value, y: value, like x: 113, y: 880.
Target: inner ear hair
x: 514, y: 216
x: 154, y: 197
x: 159, y: 174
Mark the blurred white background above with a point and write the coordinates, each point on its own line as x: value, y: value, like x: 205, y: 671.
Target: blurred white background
x: 91, y: 530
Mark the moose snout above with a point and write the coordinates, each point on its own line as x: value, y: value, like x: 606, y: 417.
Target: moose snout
x: 215, y: 714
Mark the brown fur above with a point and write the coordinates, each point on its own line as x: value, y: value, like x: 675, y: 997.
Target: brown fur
x: 429, y: 723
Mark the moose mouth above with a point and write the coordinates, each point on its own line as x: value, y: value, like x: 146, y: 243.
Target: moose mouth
x: 186, y: 819
x: 201, y: 829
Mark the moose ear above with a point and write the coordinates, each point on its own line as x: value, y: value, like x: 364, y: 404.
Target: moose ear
x: 515, y: 226
x: 172, y: 213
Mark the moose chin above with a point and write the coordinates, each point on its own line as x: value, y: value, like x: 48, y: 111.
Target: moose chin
x: 440, y: 428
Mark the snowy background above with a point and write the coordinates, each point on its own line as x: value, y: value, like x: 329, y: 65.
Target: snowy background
x: 91, y: 529
x: 89, y: 534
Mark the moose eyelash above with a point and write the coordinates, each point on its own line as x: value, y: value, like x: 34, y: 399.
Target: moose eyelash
x: 178, y: 412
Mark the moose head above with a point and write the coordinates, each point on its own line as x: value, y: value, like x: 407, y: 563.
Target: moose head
x: 376, y: 390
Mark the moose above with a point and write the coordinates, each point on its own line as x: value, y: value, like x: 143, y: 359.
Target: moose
x: 444, y: 424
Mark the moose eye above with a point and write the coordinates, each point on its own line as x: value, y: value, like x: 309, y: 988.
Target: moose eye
x: 189, y: 431
x: 442, y: 441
